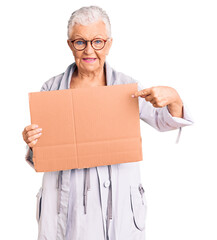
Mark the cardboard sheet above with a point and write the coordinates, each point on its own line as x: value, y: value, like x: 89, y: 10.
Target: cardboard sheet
x: 86, y: 127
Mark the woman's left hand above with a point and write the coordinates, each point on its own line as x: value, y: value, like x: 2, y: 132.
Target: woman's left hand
x: 161, y: 96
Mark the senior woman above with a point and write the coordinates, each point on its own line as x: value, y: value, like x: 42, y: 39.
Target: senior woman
x: 105, y: 202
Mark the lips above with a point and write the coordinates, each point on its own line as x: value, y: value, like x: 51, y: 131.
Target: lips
x: 89, y: 59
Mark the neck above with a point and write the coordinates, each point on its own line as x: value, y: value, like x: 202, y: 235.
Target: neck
x: 90, y: 77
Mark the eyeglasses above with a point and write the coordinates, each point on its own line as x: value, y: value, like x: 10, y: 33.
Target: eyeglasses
x: 97, y: 43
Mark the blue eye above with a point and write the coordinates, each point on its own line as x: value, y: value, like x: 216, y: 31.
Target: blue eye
x: 98, y: 41
x: 80, y: 42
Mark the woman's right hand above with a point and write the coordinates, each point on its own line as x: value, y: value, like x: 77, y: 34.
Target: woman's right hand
x: 31, y: 134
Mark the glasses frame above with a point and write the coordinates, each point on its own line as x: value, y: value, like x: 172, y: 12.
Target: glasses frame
x: 91, y: 42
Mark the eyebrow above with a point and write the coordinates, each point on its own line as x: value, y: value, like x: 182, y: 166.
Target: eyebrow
x: 99, y: 35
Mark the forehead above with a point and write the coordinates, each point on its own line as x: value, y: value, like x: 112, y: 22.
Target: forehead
x: 89, y: 31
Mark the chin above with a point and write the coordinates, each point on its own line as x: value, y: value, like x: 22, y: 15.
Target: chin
x: 91, y: 67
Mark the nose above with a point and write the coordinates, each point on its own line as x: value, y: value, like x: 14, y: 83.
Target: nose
x: 88, y: 49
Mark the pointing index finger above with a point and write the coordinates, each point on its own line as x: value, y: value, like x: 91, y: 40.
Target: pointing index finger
x: 144, y: 93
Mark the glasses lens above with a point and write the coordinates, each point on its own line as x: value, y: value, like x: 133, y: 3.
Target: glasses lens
x: 98, y: 43
x: 79, y: 44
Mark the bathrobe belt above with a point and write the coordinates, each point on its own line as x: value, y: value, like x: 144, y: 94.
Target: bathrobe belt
x: 109, y: 206
x: 86, y: 188
x: 59, y: 188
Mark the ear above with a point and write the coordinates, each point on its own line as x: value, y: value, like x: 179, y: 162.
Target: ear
x: 70, y: 44
x: 109, y: 44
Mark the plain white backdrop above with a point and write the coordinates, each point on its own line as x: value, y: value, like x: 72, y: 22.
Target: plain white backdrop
x: 168, y: 43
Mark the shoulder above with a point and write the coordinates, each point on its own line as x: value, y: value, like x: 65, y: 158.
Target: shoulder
x: 55, y: 82
x: 122, y: 78
x: 52, y: 83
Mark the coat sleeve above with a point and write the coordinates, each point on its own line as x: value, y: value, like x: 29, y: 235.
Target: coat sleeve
x: 160, y: 118
x: 28, y: 156
x: 29, y: 153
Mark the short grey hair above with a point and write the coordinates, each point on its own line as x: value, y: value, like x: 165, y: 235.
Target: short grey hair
x: 88, y: 15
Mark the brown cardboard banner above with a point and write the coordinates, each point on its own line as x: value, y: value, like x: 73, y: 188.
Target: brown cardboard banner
x: 86, y: 127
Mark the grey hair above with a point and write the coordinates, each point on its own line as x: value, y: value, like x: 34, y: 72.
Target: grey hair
x: 87, y: 15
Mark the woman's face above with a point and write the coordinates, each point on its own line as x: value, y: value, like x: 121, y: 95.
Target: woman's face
x: 89, y: 59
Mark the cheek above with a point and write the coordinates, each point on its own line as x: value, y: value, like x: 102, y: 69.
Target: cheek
x: 77, y: 55
x: 101, y: 54
x: 107, y: 48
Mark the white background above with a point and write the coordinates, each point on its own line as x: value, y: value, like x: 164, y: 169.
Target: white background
x: 171, y: 43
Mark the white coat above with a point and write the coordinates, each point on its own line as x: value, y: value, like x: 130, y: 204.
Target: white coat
x: 100, y: 203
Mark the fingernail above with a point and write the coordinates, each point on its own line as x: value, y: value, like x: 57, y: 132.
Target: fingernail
x: 36, y: 126
x: 132, y: 95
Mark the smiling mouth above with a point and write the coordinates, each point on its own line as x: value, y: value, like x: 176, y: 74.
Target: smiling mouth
x: 89, y: 59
